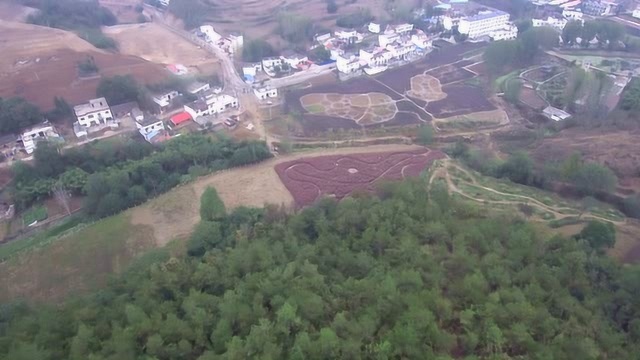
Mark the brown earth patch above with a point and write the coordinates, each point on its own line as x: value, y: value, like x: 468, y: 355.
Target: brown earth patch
x: 426, y: 87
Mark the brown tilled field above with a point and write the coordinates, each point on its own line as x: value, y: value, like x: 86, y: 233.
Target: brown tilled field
x: 39, y: 63
x: 156, y: 44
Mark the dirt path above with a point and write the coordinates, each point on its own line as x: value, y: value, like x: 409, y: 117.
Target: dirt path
x: 442, y: 172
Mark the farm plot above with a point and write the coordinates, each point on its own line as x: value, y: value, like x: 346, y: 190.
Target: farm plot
x: 427, y: 88
x: 364, y: 109
x: 531, y: 98
x: 340, y: 175
x: 450, y: 73
x: 460, y: 100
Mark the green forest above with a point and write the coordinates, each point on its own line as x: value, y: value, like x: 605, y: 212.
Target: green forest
x: 406, y: 273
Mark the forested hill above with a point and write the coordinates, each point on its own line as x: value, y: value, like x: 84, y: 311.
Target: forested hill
x: 406, y: 275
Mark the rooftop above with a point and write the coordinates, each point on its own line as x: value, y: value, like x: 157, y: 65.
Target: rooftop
x: 93, y: 105
x: 486, y: 15
x: 149, y: 120
x: 195, y: 86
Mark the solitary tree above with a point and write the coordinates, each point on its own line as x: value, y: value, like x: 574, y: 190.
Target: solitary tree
x: 211, y: 206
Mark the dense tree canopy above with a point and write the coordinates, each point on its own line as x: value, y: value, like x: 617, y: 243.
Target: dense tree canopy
x: 502, y: 56
x: 118, y: 89
x: 409, y: 275
x: 355, y: 19
x: 255, y: 50
x: 17, y: 114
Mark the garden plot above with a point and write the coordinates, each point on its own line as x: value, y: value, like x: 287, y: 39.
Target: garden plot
x: 426, y: 87
x: 475, y: 120
x: 340, y: 175
x: 364, y: 109
x: 460, y: 100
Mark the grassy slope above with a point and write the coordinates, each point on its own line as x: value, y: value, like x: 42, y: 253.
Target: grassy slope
x: 80, y: 261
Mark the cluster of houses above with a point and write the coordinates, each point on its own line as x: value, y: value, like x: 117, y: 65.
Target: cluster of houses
x: 589, y: 7
x: 231, y: 43
x: 395, y: 43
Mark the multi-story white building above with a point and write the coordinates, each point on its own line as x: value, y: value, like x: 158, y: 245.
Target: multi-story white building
x: 210, y: 33
x: 237, y: 41
x: 399, y: 28
x: 346, y: 34
x: 347, y: 63
x: 269, y: 63
x: 151, y: 128
x: 421, y: 40
x: 163, y: 100
x: 39, y: 132
x: 483, y: 23
x: 210, y: 105
x: 96, y: 112
x: 375, y: 56
x: 572, y: 14
x: 386, y: 39
x: 197, y: 87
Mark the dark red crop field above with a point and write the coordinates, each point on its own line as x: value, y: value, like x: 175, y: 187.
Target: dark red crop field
x: 460, y: 100
x: 339, y: 175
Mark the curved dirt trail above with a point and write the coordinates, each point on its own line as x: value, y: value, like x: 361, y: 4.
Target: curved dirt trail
x: 555, y: 210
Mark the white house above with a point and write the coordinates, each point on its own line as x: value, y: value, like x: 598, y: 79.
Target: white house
x: 483, y: 24
x: 271, y: 62
x: 374, y: 28
x: 386, y: 39
x: 551, y: 21
x: 212, y: 104
x: 399, y: 28
x: 374, y: 56
x: 148, y: 126
x: 164, y: 3
x: 421, y: 40
x: 322, y: 38
x: 346, y: 34
x: 509, y: 32
x: 164, y: 99
x: 198, y: 87
x: 636, y: 13
x: 401, y: 50
x: 265, y: 92
x: 347, y: 64
x: 95, y: 112
x: 42, y: 131
x: 237, y: 41
x: 293, y: 59
x: 251, y: 70
x: 211, y: 34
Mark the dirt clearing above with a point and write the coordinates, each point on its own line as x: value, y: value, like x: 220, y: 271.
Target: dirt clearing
x: 156, y: 44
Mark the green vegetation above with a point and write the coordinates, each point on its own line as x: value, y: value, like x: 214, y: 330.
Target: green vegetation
x: 87, y: 66
x: 211, y: 206
x: 37, y: 213
x: 332, y: 6
x: 16, y: 114
x: 356, y: 19
x: 503, y: 56
x: 608, y: 33
x: 315, y: 108
x: 630, y: 100
x: 295, y: 28
x: 85, y: 18
x: 119, y: 89
x: 320, y: 54
x: 411, y: 274
x: 256, y: 49
x: 425, y: 135
x: 192, y: 12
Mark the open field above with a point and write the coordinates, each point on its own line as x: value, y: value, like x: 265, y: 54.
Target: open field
x: 472, y: 121
x: 156, y: 44
x: 338, y: 176
x: 460, y: 100
x: 531, y: 98
x: 417, y: 96
x: 39, y: 63
x: 52, y: 268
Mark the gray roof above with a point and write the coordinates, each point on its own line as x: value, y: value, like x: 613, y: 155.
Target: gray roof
x: 149, y: 120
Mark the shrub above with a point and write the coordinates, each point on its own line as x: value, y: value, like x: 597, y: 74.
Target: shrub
x: 37, y: 213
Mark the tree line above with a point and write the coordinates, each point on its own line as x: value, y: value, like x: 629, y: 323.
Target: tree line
x: 407, y: 273
x: 608, y: 33
x: 506, y: 55
x: 83, y: 17
x: 114, y: 176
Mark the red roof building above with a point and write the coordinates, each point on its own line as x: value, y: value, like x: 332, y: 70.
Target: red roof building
x: 179, y: 118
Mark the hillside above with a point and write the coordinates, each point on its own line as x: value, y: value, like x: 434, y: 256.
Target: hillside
x: 39, y: 63
x: 414, y: 274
